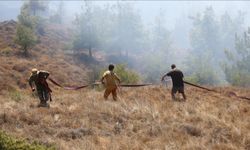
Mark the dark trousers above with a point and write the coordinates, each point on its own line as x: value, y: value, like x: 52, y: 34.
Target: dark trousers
x: 43, y: 95
x: 178, y: 89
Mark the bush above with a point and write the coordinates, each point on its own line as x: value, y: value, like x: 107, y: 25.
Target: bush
x: 126, y: 76
x: 10, y: 143
x: 237, y: 71
x: 202, y: 70
x: 15, y: 95
x: 237, y: 76
x: 207, y: 77
x: 6, y: 51
x: 154, y: 66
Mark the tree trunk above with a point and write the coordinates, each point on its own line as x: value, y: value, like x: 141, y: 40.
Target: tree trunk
x: 127, y: 53
x: 34, y: 12
x: 90, y: 52
x: 25, y: 51
x: 120, y: 53
x: 126, y: 56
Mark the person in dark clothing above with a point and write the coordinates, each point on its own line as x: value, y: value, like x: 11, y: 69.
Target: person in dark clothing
x: 177, y: 80
x: 42, y: 87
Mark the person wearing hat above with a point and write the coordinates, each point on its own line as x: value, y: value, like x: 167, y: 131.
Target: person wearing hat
x: 177, y: 80
x: 110, y: 79
x: 42, y: 87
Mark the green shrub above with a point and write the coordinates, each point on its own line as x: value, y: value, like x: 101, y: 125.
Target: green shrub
x: 237, y: 66
x: 204, y: 76
x: 202, y: 70
x: 126, y: 76
x: 9, y: 143
x: 15, y: 95
x: 237, y: 76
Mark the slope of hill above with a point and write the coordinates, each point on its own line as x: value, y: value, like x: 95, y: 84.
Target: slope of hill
x: 46, y: 55
x: 142, y: 118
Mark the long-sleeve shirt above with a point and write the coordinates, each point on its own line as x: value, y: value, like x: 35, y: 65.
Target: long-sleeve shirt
x: 39, y: 79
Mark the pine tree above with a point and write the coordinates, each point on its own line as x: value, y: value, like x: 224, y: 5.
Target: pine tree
x: 25, y: 37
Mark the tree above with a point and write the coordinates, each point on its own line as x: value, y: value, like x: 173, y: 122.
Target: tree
x: 25, y: 38
x: 204, y: 35
x: 210, y: 36
x: 33, y: 12
x: 201, y: 71
x: 161, y: 36
x: 87, y: 33
x: 128, y: 29
x: 36, y: 7
x: 105, y: 21
x: 25, y: 18
x: 157, y: 61
x: 229, y: 26
x: 206, y: 48
x: 238, y: 73
x: 25, y: 35
x: 57, y: 17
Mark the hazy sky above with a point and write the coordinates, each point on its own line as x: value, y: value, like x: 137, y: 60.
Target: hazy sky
x: 176, y: 15
x: 173, y: 9
x: 148, y: 9
x: 176, y: 12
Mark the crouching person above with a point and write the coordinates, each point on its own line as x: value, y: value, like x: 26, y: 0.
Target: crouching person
x: 42, y: 87
x: 111, y: 82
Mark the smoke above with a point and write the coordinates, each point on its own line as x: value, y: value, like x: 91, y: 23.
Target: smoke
x: 175, y: 36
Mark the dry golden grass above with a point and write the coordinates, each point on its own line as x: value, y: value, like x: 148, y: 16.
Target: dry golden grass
x: 142, y: 118
x: 46, y: 55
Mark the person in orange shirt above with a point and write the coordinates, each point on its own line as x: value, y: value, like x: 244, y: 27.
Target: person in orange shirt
x: 111, y: 82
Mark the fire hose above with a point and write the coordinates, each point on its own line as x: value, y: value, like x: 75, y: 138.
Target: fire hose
x: 139, y: 85
x: 211, y: 90
x: 97, y: 83
x: 199, y: 86
x: 67, y: 87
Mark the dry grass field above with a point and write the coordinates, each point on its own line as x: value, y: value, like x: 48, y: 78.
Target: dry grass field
x: 142, y: 118
x: 48, y: 55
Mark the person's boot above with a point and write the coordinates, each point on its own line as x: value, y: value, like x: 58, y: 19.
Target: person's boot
x: 43, y: 104
x: 173, y: 97
x: 184, y: 97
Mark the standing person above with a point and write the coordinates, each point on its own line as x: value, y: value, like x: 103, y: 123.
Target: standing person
x: 42, y: 87
x: 110, y: 79
x: 177, y: 80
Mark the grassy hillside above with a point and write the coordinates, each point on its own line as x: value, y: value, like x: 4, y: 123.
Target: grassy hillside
x: 142, y: 118
x: 48, y: 54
